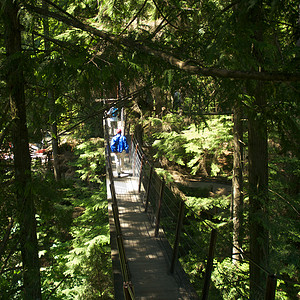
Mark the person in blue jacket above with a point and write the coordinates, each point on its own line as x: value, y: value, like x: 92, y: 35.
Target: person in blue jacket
x: 119, y: 147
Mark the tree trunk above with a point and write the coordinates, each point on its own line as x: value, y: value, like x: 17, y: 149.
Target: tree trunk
x: 54, y: 139
x: 258, y: 167
x: 237, y: 183
x: 25, y: 205
x: 53, y: 129
x: 157, y: 96
x: 258, y: 197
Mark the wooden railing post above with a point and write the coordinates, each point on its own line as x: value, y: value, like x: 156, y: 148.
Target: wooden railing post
x: 113, y: 192
x: 177, y: 238
x: 131, y: 146
x: 148, y: 188
x: 209, y: 266
x: 109, y: 163
x: 157, y: 223
x: 125, y: 291
x: 128, y: 291
x: 141, y: 170
x: 110, y: 171
x: 134, y: 160
x: 271, y: 287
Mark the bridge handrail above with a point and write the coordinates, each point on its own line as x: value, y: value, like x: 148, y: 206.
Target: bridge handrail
x: 152, y: 188
x: 150, y: 184
x: 128, y: 289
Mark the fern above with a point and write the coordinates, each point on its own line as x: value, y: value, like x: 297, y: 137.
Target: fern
x: 197, y: 146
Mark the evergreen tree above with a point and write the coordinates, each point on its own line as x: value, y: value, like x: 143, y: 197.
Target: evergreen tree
x: 204, y: 48
x: 24, y: 201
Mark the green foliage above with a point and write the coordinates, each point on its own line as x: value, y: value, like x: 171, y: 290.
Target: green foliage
x: 172, y: 146
x: 77, y: 68
x: 284, y: 220
x: 88, y: 261
x: 91, y: 161
x: 202, y: 214
x: 80, y: 263
x: 165, y: 175
x: 195, y: 269
x: 231, y: 279
x: 169, y: 123
x: 73, y: 231
x: 217, y: 204
x: 80, y: 258
x: 199, y: 149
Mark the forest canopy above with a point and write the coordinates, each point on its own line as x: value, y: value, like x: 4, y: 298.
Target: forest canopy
x: 172, y: 65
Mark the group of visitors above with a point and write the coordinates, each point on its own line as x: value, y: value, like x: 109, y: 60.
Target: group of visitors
x: 118, y: 145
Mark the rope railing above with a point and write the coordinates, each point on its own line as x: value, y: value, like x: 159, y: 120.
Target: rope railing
x: 185, y: 229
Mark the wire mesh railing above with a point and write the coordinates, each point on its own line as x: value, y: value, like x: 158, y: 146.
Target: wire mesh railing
x: 195, y: 241
x: 198, y: 245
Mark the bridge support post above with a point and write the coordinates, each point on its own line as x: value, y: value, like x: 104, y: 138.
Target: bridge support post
x: 134, y: 159
x: 157, y: 223
x: 131, y: 146
x: 177, y: 238
x: 141, y: 173
x: 271, y: 287
x: 148, y: 189
x: 128, y: 291
x: 209, y: 266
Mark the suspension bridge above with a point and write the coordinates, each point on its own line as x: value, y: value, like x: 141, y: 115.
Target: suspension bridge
x: 150, y: 231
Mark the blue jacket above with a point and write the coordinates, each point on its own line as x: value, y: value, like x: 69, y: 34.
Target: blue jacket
x: 119, y: 143
x: 113, y: 112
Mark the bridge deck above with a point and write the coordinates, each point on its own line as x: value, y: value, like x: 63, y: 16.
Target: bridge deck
x: 147, y: 258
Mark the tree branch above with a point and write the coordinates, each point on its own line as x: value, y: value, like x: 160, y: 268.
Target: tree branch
x: 163, y: 16
x: 169, y: 58
x: 140, y: 10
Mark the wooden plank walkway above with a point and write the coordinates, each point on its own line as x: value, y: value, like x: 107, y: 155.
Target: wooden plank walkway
x: 147, y: 258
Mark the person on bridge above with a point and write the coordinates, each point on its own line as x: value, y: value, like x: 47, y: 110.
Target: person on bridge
x: 113, y: 118
x: 119, y: 147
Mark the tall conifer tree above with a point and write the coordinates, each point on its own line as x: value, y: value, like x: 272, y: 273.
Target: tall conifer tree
x: 24, y: 201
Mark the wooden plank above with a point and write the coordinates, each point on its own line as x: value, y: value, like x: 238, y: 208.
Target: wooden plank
x: 148, y: 264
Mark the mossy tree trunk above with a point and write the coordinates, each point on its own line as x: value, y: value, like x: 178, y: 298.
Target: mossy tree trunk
x: 237, y: 183
x: 258, y: 166
x: 25, y: 208
x: 258, y: 197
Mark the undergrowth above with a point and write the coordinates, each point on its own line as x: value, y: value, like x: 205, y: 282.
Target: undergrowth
x: 74, y: 230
